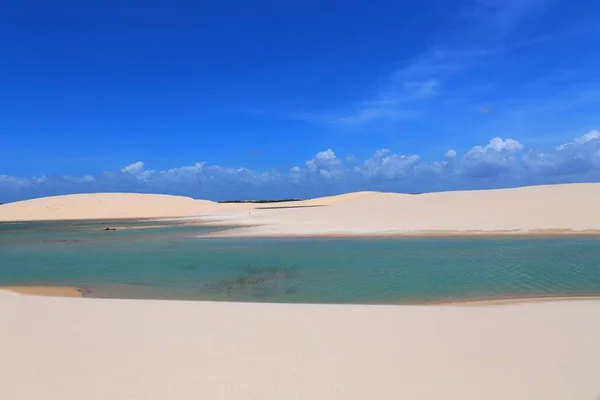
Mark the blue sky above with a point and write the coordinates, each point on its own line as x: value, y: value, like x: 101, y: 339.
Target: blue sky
x: 238, y: 99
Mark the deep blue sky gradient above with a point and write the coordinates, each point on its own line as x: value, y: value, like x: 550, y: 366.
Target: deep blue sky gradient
x: 92, y: 87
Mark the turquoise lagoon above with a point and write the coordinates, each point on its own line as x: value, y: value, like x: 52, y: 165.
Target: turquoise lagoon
x: 169, y: 261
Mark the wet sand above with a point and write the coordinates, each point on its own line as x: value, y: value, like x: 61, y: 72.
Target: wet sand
x: 71, y: 291
x: 54, y: 291
x: 483, y: 302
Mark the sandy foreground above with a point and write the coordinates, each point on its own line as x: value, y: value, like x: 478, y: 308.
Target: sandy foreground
x: 64, y: 348
x: 552, y: 209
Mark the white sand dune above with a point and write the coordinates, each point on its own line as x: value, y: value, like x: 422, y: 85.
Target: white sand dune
x: 61, y: 348
x: 568, y: 208
x: 107, y: 206
x: 573, y: 207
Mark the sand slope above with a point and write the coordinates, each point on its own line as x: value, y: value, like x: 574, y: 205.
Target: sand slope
x: 550, y: 209
x: 60, y: 348
x: 104, y: 206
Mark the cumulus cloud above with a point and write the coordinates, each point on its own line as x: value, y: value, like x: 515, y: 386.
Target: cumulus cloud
x: 580, y: 156
x: 188, y: 173
x: 498, y: 156
x: 386, y: 165
x: 137, y: 169
x: 450, y: 154
x: 325, y: 165
x: 499, y: 163
x: 134, y: 168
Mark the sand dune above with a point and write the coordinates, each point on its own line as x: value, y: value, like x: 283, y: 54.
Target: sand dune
x: 106, y: 206
x: 569, y: 208
x: 538, y: 209
x: 61, y: 348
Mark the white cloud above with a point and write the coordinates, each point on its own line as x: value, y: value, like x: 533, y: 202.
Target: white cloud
x: 500, y: 162
x: 186, y: 173
x: 498, y: 156
x: 497, y: 145
x: 450, y: 154
x: 325, y: 165
x: 591, y: 135
x: 579, y: 156
x: 381, y: 153
x: 134, y: 168
x: 447, y: 164
x: 588, y: 137
x: 389, y: 166
x: 137, y: 169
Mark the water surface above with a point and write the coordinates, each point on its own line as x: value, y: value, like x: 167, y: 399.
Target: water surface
x: 169, y: 262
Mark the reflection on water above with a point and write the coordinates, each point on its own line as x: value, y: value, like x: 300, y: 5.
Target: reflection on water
x: 166, y: 261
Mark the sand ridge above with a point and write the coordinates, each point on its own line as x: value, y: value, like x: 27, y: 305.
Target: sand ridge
x: 551, y: 209
x: 106, y: 206
x: 555, y: 209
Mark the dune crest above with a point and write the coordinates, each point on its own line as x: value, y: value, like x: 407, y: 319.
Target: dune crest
x: 550, y: 209
x: 554, y: 209
x: 102, y: 206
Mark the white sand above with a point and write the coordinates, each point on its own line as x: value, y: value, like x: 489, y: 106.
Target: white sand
x: 108, y: 206
x: 536, y: 209
x: 62, y: 348
x: 559, y: 209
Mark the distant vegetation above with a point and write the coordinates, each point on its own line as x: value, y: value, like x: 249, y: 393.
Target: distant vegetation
x: 260, y: 201
x: 277, y: 200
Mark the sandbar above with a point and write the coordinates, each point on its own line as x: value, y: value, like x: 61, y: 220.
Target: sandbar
x: 55, y: 291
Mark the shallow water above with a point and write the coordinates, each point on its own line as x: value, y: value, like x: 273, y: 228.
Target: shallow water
x: 169, y: 262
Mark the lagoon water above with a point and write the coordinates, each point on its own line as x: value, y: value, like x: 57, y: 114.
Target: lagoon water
x: 169, y: 261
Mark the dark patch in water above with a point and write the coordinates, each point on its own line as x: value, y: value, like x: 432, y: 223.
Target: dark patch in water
x: 61, y: 241
x: 274, y: 271
x: 259, y: 281
x: 291, y: 290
